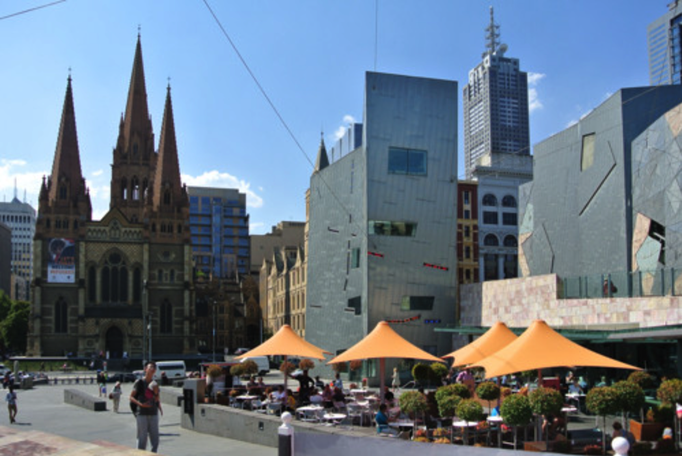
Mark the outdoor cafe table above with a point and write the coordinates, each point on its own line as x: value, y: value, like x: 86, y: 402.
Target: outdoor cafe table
x: 576, y: 398
x: 334, y: 418
x: 400, y: 424
x: 309, y: 412
x: 464, y: 425
x: 496, y: 421
x: 565, y: 411
x: 245, y: 398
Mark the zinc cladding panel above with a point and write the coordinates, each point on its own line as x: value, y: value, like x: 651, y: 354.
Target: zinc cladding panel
x: 415, y: 113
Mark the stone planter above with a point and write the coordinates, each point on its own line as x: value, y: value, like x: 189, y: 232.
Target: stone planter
x: 646, y: 431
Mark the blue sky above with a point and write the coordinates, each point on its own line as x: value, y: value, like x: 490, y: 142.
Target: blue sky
x: 310, y: 56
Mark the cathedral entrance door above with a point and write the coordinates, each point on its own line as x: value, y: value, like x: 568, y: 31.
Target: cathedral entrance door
x: 114, y: 342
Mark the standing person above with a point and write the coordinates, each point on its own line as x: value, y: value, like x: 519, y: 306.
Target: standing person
x: 116, y: 396
x: 11, y: 399
x: 395, y: 382
x: 145, y: 395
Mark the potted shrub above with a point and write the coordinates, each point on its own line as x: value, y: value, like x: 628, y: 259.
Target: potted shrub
x: 287, y: 367
x: 469, y: 410
x: 249, y: 368
x: 306, y: 364
x: 603, y: 401
x: 488, y: 391
x: 438, y: 371
x: 516, y: 411
x: 420, y: 373
x: 447, y: 404
x: 630, y: 398
x: 457, y: 389
x: 413, y: 403
x: 546, y: 402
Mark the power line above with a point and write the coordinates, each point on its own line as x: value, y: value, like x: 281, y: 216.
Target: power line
x: 31, y: 9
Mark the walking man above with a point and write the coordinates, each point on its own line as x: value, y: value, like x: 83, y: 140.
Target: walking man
x: 145, y: 395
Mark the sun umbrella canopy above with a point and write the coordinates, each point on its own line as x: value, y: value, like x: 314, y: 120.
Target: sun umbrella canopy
x: 541, y: 347
x: 495, y: 339
x: 383, y: 342
x: 286, y: 343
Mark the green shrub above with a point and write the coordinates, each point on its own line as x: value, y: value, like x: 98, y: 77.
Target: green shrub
x: 237, y: 370
x: 447, y: 405
x: 488, y: 391
x: 544, y: 401
x: 306, y: 364
x: 602, y: 401
x: 642, y: 378
x: 470, y: 410
x: 438, y: 371
x: 516, y: 410
x: 630, y: 396
x: 420, y: 372
x: 670, y: 391
x: 412, y: 402
x: 664, y: 413
x: 456, y: 388
x: 249, y: 367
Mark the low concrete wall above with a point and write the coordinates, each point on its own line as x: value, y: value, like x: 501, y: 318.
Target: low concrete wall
x: 249, y: 426
x: 170, y: 395
x: 84, y: 400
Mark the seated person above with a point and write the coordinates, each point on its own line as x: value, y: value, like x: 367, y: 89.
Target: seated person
x: 575, y: 388
x: 318, y: 383
x: 553, y: 426
x: 602, y: 382
x: 260, y: 383
x: 618, y: 431
x: 252, y: 382
x: 327, y: 397
x: 338, y: 399
x: 381, y: 420
x: 279, y: 395
x: 291, y: 401
x: 316, y: 397
x: 389, y: 397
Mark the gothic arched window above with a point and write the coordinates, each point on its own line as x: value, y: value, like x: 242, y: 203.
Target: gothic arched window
x: 124, y: 188
x: 137, y: 285
x: 166, y: 317
x: 92, y: 284
x: 61, y: 321
x: 135, y: 186
x: 114, y: 278
x: 62, y: 192
x: 167, y: 197
x: 508, y: 201
x: 510, y: 241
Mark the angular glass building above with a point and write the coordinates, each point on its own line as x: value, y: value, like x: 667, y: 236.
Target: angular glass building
x: 665, y: 49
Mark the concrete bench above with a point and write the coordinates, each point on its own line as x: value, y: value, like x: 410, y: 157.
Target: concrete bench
x: 85, y: 400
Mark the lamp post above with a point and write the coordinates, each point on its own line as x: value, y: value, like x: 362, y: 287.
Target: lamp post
x: 149, y: 327
x: 214, y: 312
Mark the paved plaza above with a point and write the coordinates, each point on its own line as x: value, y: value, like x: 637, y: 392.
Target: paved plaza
x: 45, y: 424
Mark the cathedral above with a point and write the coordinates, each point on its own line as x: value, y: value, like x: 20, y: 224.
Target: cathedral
x: 121, y: 285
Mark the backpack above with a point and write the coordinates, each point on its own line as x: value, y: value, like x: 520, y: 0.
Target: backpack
x: 139, y: 390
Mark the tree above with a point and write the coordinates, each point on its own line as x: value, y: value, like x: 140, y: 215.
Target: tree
x: 516, y: 411
x: 420, y: 373
x: 603, y: 401
x: 488, y: 391
x: 14, y: 322
x: 630, y: 398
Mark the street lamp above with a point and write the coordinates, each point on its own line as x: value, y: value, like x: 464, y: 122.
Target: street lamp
x: 149, y: 327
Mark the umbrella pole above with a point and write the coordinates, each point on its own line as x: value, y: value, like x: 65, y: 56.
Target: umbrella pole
x: 382, y: 375
x: 286, y: 393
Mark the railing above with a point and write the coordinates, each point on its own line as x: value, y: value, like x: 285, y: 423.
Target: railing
x: 622, y: 284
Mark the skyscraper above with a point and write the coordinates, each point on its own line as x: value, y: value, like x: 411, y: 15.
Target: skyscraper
x: 665, y: 48
x: 219, y: 226
x: 21, y: 219
x: 495, y: 105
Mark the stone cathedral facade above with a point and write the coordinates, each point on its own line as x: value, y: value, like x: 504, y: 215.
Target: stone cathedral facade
x: 110, y: 285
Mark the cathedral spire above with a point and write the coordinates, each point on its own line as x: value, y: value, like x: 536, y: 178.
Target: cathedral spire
x: 167, y: 185
x: 322, y: 159
x: 136, y: 120
x: 66, y: 180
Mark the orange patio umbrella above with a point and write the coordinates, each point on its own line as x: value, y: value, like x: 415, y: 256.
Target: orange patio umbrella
x: 495, y: 339
x: 383, y: 342
x: 286, y: 343
x: 541, y: 347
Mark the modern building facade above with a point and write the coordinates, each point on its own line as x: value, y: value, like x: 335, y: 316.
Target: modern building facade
x: 219, y: 226
x: 664, y: 37
x: 383, y: 220
x: 122, y: 284
x: 467, y: 232
x: 20, y: 217
x: 6, y: 259
x: 604, y: 200
x: 495, y: 105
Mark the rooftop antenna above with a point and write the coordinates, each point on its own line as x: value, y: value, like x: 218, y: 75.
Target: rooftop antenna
x: 15, y: 188
x: 492, y: 34
x: 25, y: 200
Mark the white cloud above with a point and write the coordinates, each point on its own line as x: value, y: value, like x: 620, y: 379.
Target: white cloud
x: 224, y: 180
x: 97, y: 173
x: 256, y: 228
x: 29, y: 181
x: 347, y: 120
x: 534, y: 102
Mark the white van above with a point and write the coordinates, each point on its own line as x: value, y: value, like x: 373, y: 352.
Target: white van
x: 174, y: 370
x: 262, y: 362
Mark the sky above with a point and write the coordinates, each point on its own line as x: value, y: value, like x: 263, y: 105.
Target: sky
x: 307, y: 58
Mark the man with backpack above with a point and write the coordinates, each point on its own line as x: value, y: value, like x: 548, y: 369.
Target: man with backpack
x: 144, y: 401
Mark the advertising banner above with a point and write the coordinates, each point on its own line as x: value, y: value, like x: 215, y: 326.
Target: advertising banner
x: 61, y: 264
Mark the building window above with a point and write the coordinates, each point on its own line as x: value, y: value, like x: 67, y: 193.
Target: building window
x: 61, y: 321
x: 167, y: 198
x: 490, y: 218
x: 387, y: 228
x: 114, y: 277
x: 508, y: 201
x: 509, y: 218
x: 137, y: 285
x: 407, y: 161
x: 491, y: 240
x: 587, y: 153
x: 489, y: 200
x: 657, y: 233
x: 467, y: 275
x: 135, y: 184
x: 92, y: 284
x: 166, y: 318
x: 510, y: 241
x: 467, y: 252
x: 467, y: 231
x: 355, y: 259
x: 466, y: 197
x: 355, y: 304
x: 62, y: 192
x: 490, y: 267
x: 417, y: 303
x: 467, y: 214
x: 124, y: 189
